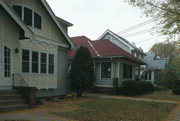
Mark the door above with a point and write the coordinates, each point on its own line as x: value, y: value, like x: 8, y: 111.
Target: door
x: 5, y: 66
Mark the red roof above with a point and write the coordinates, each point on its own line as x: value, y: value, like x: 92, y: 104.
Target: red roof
x: 100, y: 48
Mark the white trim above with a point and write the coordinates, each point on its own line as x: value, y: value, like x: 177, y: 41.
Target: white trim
x: 50, y: 41
x: 103, y: 86
x: 108, y: 31
x: 56, y: 21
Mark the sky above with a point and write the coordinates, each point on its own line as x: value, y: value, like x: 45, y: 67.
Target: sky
x: 93, y: 17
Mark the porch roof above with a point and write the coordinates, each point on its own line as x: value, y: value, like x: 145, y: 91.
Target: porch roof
x: 102, y: 49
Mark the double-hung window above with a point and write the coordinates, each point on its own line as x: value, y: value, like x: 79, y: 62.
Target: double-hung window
x: 106, y: 70
x: 127, y: 71
x: 25, y: 61
x: 51, y: 64
x: 35, y: 60
x: 43, y: 63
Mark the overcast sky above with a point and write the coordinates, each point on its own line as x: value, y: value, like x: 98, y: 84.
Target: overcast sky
x: 93, y: 17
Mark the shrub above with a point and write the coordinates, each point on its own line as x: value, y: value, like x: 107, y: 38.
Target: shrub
x: 176, y: 91
x: 158, y: 88
x: 82, y: 72
x: 132, y: 87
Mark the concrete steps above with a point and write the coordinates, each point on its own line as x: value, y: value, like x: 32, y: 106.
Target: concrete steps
x: 11, y: 100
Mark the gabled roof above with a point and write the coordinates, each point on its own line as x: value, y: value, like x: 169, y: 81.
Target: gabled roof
x: 124, y: 41
x: 153, y: 64
x: 102, y: 49
x: 64, y: 22
x: 13, y: 15
x: 54, y: 18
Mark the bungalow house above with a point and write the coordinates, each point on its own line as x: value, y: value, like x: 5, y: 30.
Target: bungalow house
x: 154, y: 66
x: 126, y: 45
x: 33, y: 47
x: 110, y: 61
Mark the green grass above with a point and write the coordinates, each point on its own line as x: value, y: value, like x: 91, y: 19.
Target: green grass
x: 104, y: 109
x: 162, y: 95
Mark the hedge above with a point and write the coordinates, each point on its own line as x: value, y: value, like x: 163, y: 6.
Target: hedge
x: 132, y: 87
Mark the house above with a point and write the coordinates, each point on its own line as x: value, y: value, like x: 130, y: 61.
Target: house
x: 154, y: 66
x: 110, y: 61
x: 33, y: 47
x: 126, y: 45
x: 123, y: 43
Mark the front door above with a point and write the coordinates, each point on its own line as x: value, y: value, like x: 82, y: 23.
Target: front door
x: 5, y: 67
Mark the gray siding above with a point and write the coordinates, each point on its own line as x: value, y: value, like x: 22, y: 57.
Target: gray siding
x: 62, y: 73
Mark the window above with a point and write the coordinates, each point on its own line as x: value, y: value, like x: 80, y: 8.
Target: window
x: 106, y: 70
x: 18, y: 10
x: 51, y: 64
x: 43, y: 63
x: 7, y: 62
x: 149, y: 75
x: 127, y: 71
x: 37, y: 21
x: 35, y: 60
x: 25, y: 60
x: 28, y: 16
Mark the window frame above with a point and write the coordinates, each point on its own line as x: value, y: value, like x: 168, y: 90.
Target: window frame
x: 29, y: 61
x: 127, y: 71
x: 51, y: 64
x: 101, y: 71
x: 35, y: 62
x: 43, y: 63
x: 33, y: 13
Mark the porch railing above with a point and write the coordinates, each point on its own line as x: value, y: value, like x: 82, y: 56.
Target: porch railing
x: 19, y: 81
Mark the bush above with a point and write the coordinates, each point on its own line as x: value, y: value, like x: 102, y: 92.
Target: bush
x: 176, y: 91
x: 158, y: 88
x: 132, y: 87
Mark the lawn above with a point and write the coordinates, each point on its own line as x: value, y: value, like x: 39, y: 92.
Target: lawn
x: 105, y: 109
x: 162, y: 95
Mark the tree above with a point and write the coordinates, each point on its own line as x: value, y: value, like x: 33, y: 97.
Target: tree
x: 165, y: 50
x: 171, y: 52
x: 166, y: 11
x: 82, y: 72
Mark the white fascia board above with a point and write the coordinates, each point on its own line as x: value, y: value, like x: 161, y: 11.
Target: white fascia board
x: 56, y: 21
x: 17, y: 19
x: 108, y: 31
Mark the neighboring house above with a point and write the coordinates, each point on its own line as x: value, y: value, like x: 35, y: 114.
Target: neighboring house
x: 126, y: 45
x: 151, y: 72
x: 110, y: 61
x: 123, y: 43
x: 33, y: 47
